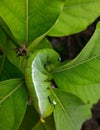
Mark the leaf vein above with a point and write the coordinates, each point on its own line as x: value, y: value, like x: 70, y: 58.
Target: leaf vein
x: 8, y: 95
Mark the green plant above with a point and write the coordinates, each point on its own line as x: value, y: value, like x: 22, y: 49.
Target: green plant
x: 29, y: 65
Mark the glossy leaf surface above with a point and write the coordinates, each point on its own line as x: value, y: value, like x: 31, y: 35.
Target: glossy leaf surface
x: 82, y: 75
x: 29, y: 19
x: 13, y: 98
x: 76, y: 16
x: 69, y: 112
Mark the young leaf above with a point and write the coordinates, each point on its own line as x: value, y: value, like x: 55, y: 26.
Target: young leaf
x: 75, y: 18
x: 30, y: 19
x: 38, y: 77
x: 69, y: 112
x: 13, y: 98
x: 41, y: 44
x: 82, y: 75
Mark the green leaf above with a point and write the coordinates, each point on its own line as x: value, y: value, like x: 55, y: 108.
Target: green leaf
x: 30, y: 119
x: 30, y: 19
x: 81, y: 76
x: 12, y: 55
x: 38, y: 79
x: 5, y: 29
x: 3, y: 40
x: 8, y: 49
x: 75, y: 18
x: 8, y: 70
x: 47, y: 125
x: 42, y: 44
x: 39, y: 126
x: 70, y: 111
x: 13, y: 98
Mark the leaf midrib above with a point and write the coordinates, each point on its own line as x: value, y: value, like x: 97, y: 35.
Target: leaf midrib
x: 62, y: 107
x: 65, y: 67
x: 11, y: 92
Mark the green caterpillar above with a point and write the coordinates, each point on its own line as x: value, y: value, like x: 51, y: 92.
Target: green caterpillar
x: 38, y: 76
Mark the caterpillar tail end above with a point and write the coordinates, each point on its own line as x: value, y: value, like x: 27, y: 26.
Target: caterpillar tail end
x: 42, y: 120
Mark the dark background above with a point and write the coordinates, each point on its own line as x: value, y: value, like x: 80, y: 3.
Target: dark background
x: 69, y: 46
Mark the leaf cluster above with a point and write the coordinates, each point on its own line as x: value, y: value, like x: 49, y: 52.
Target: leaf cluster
x: 30, y: 68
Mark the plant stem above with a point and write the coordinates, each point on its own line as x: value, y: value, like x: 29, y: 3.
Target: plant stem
x: 35, y: 43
